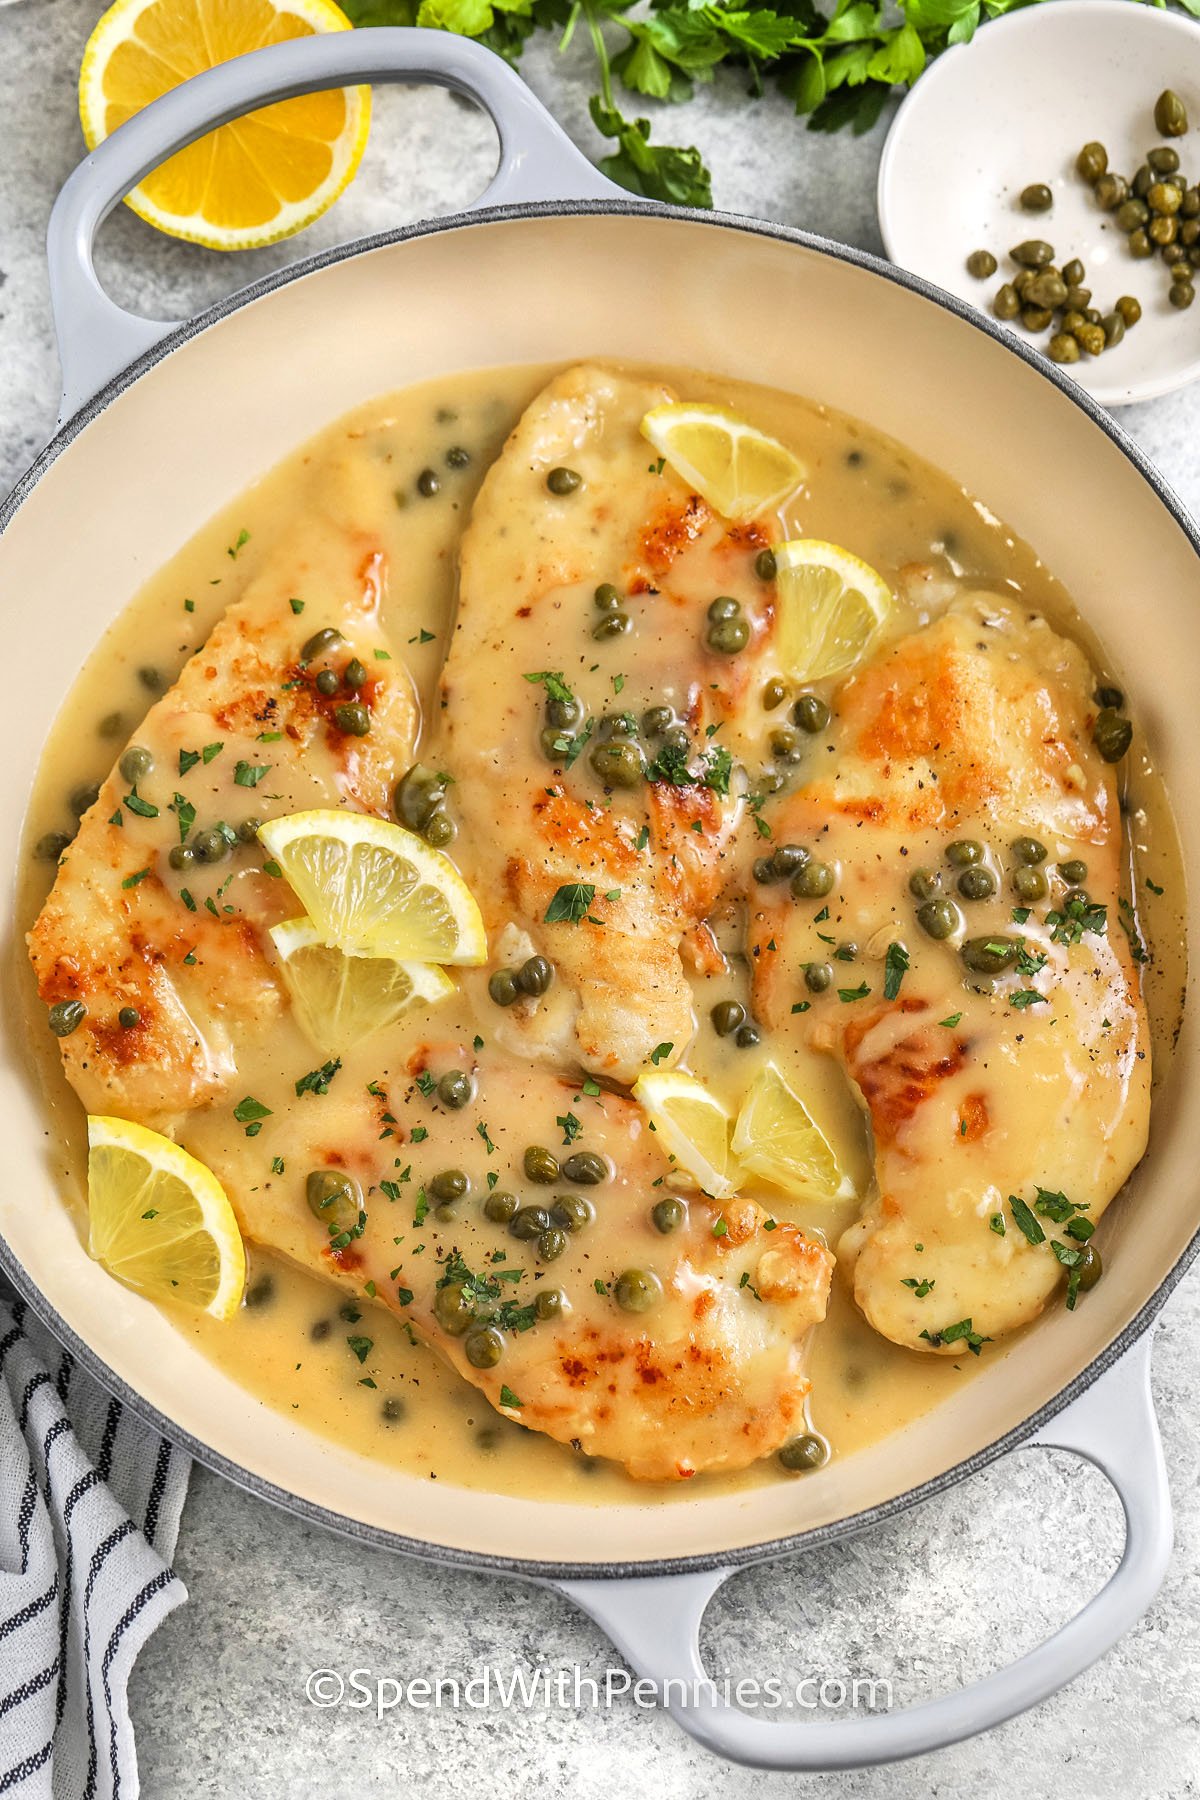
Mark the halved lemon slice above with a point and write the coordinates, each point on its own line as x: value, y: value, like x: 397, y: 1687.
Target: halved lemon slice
x: 776, y: 1137
x: 160, y: 1220
x: 831, y: 608
x: 250, y: 182
x: 735, y: 467
x: 341, y: 996
x: 692, y: 1126
x: 372, y: 887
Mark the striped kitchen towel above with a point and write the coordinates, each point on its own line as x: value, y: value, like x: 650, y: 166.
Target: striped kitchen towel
x: 89, y: 1513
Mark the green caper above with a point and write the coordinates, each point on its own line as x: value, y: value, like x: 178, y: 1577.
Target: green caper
x: 181, y: 856
x: 981, y: 264
x: 619, y: 764
x: 924, y: 884
x: 939, y: 918
x: 668, y: 1215
x: 449, y: 1184
x: 1165, y: 198
x: 327, y: 682
x: 333, y: 1197
x: 1108, y: 695
x: 502, y: 987
x: 136, y: 764
x: 428, y: 483
x: 1140, y: 245
x: 1029, y: 884
x: 440, y: 829
x: 818, y: 977
x: 111, y: 725
x: 637, y: 1290
x: 1113, y: 327
x: 729, y: 636
x: 1006, y: 302
x: 1074, y: 273
x: 1111, y: 734
x: 554, y: 745
x: 764, y: 870
x: 804, y: 1454
x: 1190, y: 205
x: 564, y: 481
x: 1034, y: 253
x: 1163, y: 160
x: 484, y: 1347
x: 1027, y: 850
x: 1132, y: 213
x: 1092, y: 162
x: 455, y: 1090
x: 764, y: 562
x: 976, y: 884
x: 320, y: 643
x: 453, y: 1309
x: 612, y: 625
x: 586, y: 1167
x: 1162, y: 230
x: 1170, y: 114
x: 1048, y: 290
x: 1090, y: 1267
x: 529, y: 1222
x: 572, y: 1212
x: 563, y: 712
x: 813, y: 881
x: 1074, y: 871
x: 1062, y: 348
x: 551, y: 1243
x: 675, y: 737
x: 457, y: 457
x: 786, y: 745
x: 1189, y: 233
x: 787, y: 858
x: 535, y: 975
x: 352, y: 718
x: 128, y: 1018
x: 1181, y: 295
x: 1143, y: 180
x: 1110, y: 191
x: 747, y: 1036
x: 66, y: 1016
x: 723, y: 607
x: 83, y: 797
x: 727, y: 1016
x: 541, y: 1165
x: 248, y: 830
x: 1090, y: 338
x: 606, y: 599
x: 210, y: 846
x: 501, y: 1206
x: 50, y: 846
x: 811, y: 713
x: 963, y: 852
x: 990, y: 955
x: 152, y: 680
x: 548, y: 1303
x: 354, y: 675
x: 1070, y: 321
x: 656, y: 720
x: 1035, y: 318
x: 774, y: 694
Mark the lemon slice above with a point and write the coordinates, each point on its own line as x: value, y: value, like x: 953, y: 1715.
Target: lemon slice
x: 736, y: 468
x: 340, y: 996
x: 831, y: 608
x: 255, y: 180
x: 775, y: 1137
x: 691, y: 1125
x: 160, y: 1220
x: 372, y: 887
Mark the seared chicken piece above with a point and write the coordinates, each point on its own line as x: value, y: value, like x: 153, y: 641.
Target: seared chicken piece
x: 244, y: 733
x: 1032, y: 1082
x: 637, y: 867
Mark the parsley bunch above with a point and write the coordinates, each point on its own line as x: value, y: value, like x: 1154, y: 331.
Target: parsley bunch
x: 837, y: 68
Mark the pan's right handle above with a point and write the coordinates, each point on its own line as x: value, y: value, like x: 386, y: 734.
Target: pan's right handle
x: 97, y: 338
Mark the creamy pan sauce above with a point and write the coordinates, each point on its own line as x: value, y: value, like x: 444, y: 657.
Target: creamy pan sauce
x: 297, y: 1342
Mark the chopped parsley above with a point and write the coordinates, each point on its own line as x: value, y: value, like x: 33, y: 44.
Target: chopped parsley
x: 570, y: 903
x: 239, y: 543
x: 185, y: 812
x: 570, y: 1126
x: 508, y: 1398
x: 361, y: 1346
x: 920, y: 1287
x: 556, y: 688
x: 895, y: 967
x: 961, y: 1333
x: 297, y: 606
x: 1025, y: 1221
x: 317, y: 1080
x: 660, y: 1052
x: 1026, y: 997
x: 249, y: 775
x: 209, y: 751
x: 131, y: 881
x: 145, y: 809
x: 951, y: 1021
x: 188, y: 760
x: 858, y: 993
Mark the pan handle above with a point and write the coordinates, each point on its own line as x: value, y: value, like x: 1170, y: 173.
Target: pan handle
x: 97, y: 338
x: 655, y: 1621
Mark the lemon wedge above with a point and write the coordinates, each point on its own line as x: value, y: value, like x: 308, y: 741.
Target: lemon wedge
x: 776, y: 1137
x: 691, y: 1125
x: 735, y: 467
x: 160, y: 1220
x: 831, y: 607
x: 341, y: 996
x: 373, y: 888
x: 250, y: 182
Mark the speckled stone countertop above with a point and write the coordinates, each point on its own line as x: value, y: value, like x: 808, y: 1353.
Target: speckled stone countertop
x: 937, y: 1596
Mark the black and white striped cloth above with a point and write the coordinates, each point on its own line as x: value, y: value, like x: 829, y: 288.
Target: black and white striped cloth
x: 89, y: 1513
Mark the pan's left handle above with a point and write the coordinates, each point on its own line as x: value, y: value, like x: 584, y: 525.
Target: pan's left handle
x: 97, y: 338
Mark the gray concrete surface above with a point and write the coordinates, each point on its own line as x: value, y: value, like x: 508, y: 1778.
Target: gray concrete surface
x: 933, y: 1598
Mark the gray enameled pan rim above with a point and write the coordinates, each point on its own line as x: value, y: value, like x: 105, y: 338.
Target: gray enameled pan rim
x: 378, y: 1536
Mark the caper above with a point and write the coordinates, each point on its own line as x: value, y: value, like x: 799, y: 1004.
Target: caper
x: 981, y: 264
x: 1164, y: 197
x: 529, y: 1222
x: 764, y: 870
x: 327, y: 682
x: 572, y: 1212
x: 1034, y: 253
x: 637, y: 1290
x: 1070, y: 321
x: 1143, y: 180
x: 1170, y: 114
x: 1163, y: 160
x: 354, y: 675
x: 541, y: 1165
x: 1074, y: 871
x: 990, y: 955
x: 1006, y: 303
x: 563, y: 713
x: 1036, y: 318
x: 764, y: 562
x: 1107, y: 695
x: 727, y: 1016
x: 1181, y: 295
x: 1074, y: 273
x: 136, y: 764
x: 502, y: 987
x: 500, y: 1206
x: 181, y: 856
x: 452, y: 1309
x: 152, y: 680
x: 66, y: 1016
x: 128, y: 1018
x: 111, y: 725
x: 747, y: 1036
x: 51, y: 845
x: 1090, y: 1268
x: 352, y: 718
x: 976, y: 884
x: 606, y: 598
x: 675, y: 737
x: 813, y: 881
x: 83, y: 797
x: 457, y: 457
x: 551, y: 1243
x: 723, y: 607
x: 1111, y: 734
x: 210, y: 846
x: 1113, y: 327
x: 803, y: 1454
x: 428, y: 483
x: 449, y: 1184
x: 939, y: 918
x: 818, y: 977
x: 619, y: 764
x: 729, y: 636
x: 656, y: 720
x: 811, y: 713
x: 774, y: 694
x: 1162, y: 230
x: 1029, y: 884
x: 1028, y: 850
x: 963, y: 852
x: 587, y: 1167
x: 1140, y: 245
x: 923, y: 884
x: 440, y: 829
x: 564, y: 481
x: 1110, y: 191
x: 1047, y: 291
x: 1190, y: 205
x: 1092, y: 161
x: 455, y: 1090
x: 1090, y: 338
x: 668, y: 1215
x: 320, y: 643
x: 535, y: 975
x: 786, y: 745
x: 484, y: 1347
x: 1189, y: 233
x: 787, y: 858
x: 333, y: 1197
x: 612, y: 625
x: 548, y: 1303
x: 1132, y: 213
x: 1062, y: 348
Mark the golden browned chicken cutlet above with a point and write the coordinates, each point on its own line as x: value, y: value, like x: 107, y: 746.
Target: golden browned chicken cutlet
x: 992, y: 1019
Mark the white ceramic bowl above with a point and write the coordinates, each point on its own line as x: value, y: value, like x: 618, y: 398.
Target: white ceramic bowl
x: 1014, y: 106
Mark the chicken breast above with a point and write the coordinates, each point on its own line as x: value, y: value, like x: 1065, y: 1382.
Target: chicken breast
x: 1005, y: 1069
x: 542, y: 697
